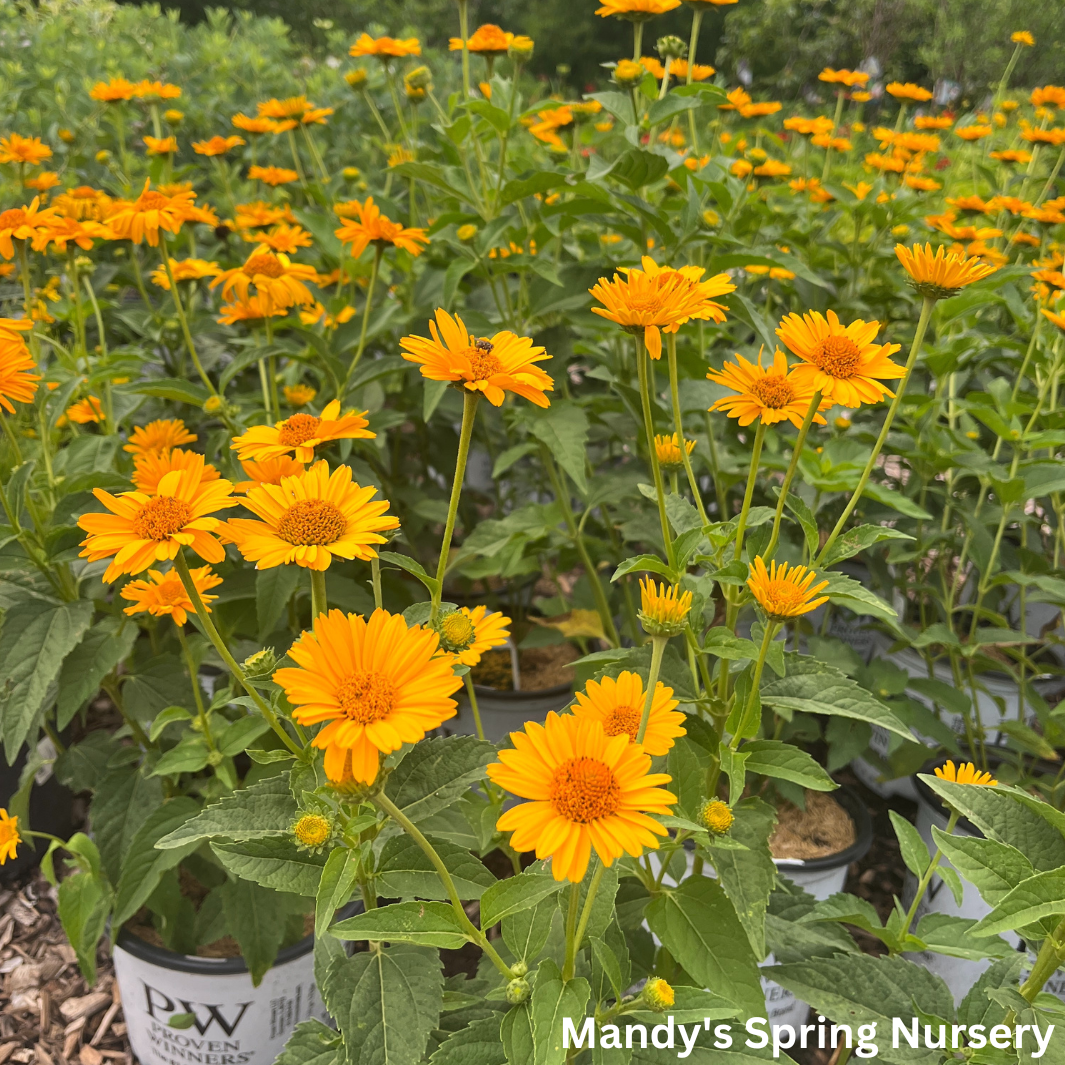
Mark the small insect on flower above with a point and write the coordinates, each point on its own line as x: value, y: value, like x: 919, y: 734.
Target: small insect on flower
x: 784, y: 592
x: 965, y: 773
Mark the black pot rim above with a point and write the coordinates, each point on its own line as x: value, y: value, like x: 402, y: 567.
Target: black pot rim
x: 863, y: 833
x: 193, y: 963
x: 509, y: 695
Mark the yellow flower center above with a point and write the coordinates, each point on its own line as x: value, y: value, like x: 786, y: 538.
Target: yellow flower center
x: 12, y: 218
x: 152, y: 201
x: 265, y: 265
x: 717, y: 816
x: 483, y: 364
x: 584, y: 789
x: 312, y: 522
x: 838, y: 356
x: 623, y: 719
x: 782, y: 598
x: 457, y: 631
x: 366, y: 697
x: 774, y: 391
x: 312, y: 830
x: 161, y: 517
x: 171, y: 591
x: 298, y: 429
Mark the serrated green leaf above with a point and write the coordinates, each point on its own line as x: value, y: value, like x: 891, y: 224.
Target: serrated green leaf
x: 264, y: 809
x: 404, y: 870
x: 274, y: 862
x: 436, y: 772
x: 427, y: 924
x: 255, y: 918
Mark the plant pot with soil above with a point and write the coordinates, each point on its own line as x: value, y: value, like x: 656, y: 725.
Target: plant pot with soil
x: 512, y: 686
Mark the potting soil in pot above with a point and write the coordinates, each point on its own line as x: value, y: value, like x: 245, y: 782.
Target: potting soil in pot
x: 823, y: 828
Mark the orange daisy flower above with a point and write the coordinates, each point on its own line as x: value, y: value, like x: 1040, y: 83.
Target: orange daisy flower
x: 142, y: 529
x: 163, y: 595
x: 374, y: 682
x: 769, y: 396
x: 268, y: 471
x: 277, y: 280
x: 23, y: 223
x: 150, y: 467
x: 466, y: 634
x: 17, y: 149
x: 301, y: 434
x: 158, y: 436
x: 272, y: 175
x: 617, y: 704
x: 17, y: 381
x: 85, y: 411
x: 152, y: 211
x: 385, y: 48
x: 587, y: 790
x: 840, y: 361
x: 113, y: 91
x: 217, y: 145
x: 486, y: 40
x: 504, y: 363
x: 375, y: 228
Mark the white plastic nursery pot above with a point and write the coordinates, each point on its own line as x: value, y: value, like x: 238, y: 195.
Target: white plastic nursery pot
x: 959, y: 974
x: 234, y: 1022
x: 993, y: 687
x: 820, y: 877
x: 504, y: 712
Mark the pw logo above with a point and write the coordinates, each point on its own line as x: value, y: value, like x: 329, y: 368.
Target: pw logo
x: 156, y: 1000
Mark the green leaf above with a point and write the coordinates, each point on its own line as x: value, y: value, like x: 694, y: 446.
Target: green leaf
x: 274, y: 588
x: 856, y: 540
x: 385, y: 1002
x: 699, y: 927
x: 412, y: 566
x: 957, y: 938
x: 888, y: 497
x: 255, y: 918
x: 106, y: 644
x: 672, y: 104
x: 644, y: 564
x: 335, y: 886
x: 167, y: 717
x: 174, y: 388
x: 858, y: 598
x: 84, y: 902
x: 749, y: 875
x: 120, y: 806
x: 404, y: 870
x: 436, y: 772
x: 636, y: 168
x: 772, y: 758
x: 189, y: 756
x: 552, y: 1000
x: 520, y: 188
x: 525, y: 932
x: 143, y: 865
x: 914, y: 850
x: 515, y: 894
x: 1042, y: 895
x: 312, y: 1043
x: 1004, y: 816
x: 861, y: 989
x: 993, y: 868
x: 264, y: 809
x: 563, y: 428
x: 805, y: 517
x: 427, y: 924
x: 515, y: 1031
x: 236, y: 737
x: 477, y: 1044
x: 275, y: 862
x: 814, y: 687
x: 495, y: 116
x: 33, y: 643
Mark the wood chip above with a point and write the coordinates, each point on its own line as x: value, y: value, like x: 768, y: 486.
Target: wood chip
x: 70, y: 1043
x: 6, y: 1050
x: 115, y: 1055
x: 43, y: 1057
x: 89, y: 1055
x: 26, y: 916
x: 23, y: 977
x: 85, y: 1006
x: 109, y: 1016
x: 75, y: 1026
x: 7, y: 929
x: 23, y: 1056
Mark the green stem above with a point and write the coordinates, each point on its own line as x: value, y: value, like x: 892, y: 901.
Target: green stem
x: 922, y: 884
x: 464, y: 33
x: 800, y: 440
x: 469, y: 416
x: 384, y: 803
x: 180, y: 308
x: 586, y: 912
x: 643, y: 375
x: 319, y: 597
x: 835, y: 127
x: 678, y: 424
x: 658, y: 650
x: 1048, y: 960
x: 182, y: 567
x: 197, y: 695
x: 378, y: 252
x: 375, y: 580
x: 918, y: 338
x: 771, y: 628
x: 571, y: 932
x: 693, y: 43
x: 748, y: 494
x: 472, y: 695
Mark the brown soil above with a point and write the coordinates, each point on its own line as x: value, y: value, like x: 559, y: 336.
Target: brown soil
x: 541, y: 667
x: 823, y: 828
x: 140, y: 924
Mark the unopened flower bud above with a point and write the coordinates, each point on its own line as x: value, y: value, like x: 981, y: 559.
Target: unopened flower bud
x: 466, y: 233
x: 717, y: 816
x: 214, y: 757
x: 521, y: 49
x: 518, y: 991
x: 351, y: 173
x: 418, y: 78
x: 356, y: 78
x: 66, y: 136
x: 671, y: 47
x: 628, y: 73
x: 262, y: 663
x: 658, y: 994
x: 173, y: 117
x: 103, y: 155
x: 312, y: 831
